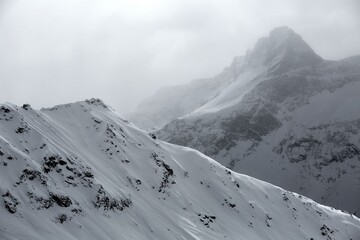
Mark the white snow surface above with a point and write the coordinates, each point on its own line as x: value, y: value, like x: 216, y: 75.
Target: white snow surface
x: 80, y: 171
x: 172, y: 102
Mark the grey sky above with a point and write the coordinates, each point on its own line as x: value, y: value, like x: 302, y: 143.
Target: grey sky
x: 122, y: 51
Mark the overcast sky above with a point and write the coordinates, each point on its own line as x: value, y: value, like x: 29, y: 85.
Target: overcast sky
x: 59, y: 51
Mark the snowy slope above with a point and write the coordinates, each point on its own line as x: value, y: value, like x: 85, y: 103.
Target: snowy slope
x: 289, y: 118
x: 170, y: 103
x: 79, y: 171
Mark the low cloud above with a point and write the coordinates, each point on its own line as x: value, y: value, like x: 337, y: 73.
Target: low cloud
x: 61, y: 51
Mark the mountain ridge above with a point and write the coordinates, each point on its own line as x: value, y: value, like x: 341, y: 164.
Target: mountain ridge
x: 80, y: 171
x: 170, y: 103
x: 265, y: 103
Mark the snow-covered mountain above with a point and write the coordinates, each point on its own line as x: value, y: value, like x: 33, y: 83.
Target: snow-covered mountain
x: 283, y: 50
x: 288, y: 117
x: 80, y: 171
x: 172, y: 102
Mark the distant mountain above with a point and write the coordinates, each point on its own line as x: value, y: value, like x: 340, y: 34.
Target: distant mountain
x: 283, y: 50
x: 287, y: 117
x: 79, y: 171
x: 172, y: 102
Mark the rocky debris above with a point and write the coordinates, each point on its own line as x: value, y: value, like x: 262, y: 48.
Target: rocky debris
x: 77, y: 210
x: 326, y: 231
x: 137, y: 183
x: 62, y: 201
x: 325, y: 143
x: 115, y: 140
x: 228, y: 203
x: 61, y: 218
x: 298, y: 150
x: 285, y: 197
x: 48, y: 202
x: 152, y: 135
x: 71, y: 169
x: 26, y: 106
x: 28, y: 174
x: 348, y: 151
x: 5, y: 157
x: 97, y: 123
x: 96, y: 102
x: 323, y: 146
x: 41, y: 201
x: 206, y: 219
x: 51, y: 161
x: 10, y: 202
x: 103, y: 200
x: 88, y: 174
x: 21, y: 130
x: 58, y: 107
x: 6, y: 113
x: 168, y: 172
x: 5, y: 109
x: 110, y: 133
x: 268, y: 218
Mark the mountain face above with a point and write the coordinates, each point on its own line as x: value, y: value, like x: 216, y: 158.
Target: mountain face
x: 282, y: 50
x: 287, y: 117
x: 172, y: 102
x: 79, y: 171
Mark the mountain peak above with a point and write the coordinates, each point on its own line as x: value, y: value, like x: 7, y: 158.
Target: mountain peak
x: 281, y: 51
x: 281, y: 32
x: 87, y: 103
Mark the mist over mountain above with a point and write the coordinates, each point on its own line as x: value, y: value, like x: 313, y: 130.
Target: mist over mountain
x: 280, y: 113
x: 281, y: 51
x: 80, y: 171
